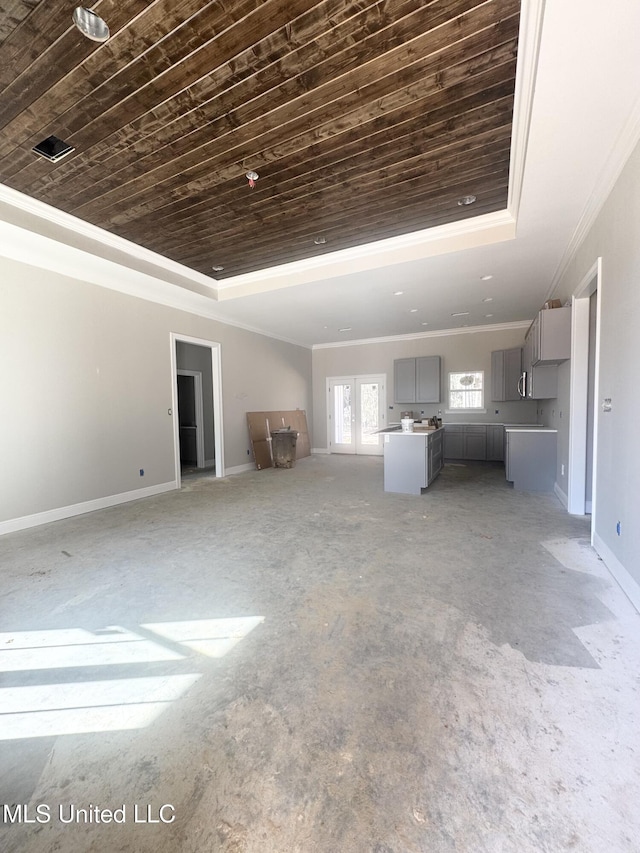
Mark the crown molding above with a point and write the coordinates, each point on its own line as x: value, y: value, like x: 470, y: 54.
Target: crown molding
x: 436, y: 333
x: 469, y: 233
x: 43, y: 212
x: 529, y: 38
x: 616, y: 161
x: 35, y: 250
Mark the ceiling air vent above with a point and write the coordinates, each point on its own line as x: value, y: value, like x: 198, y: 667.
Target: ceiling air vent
x: 53, y: 149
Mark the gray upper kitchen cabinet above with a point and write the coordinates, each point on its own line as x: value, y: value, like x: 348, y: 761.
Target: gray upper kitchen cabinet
x: 546, y: 345
x: 506, y: 370
x: 550, y: 335
x: 417, y: 380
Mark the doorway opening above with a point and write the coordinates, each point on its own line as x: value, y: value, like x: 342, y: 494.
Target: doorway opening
x: 356, y: 410
x: 583, y: 429
x: 197, y: 406
x: 191, y: 421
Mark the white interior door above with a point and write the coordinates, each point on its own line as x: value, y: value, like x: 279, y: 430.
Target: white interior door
x: 356, y: 411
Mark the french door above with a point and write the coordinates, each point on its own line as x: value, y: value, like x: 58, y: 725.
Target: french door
x: 356, y: 411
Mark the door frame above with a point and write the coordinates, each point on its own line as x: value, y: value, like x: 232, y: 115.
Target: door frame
x: 216, y: 374
x: 578, y: 394
x: 365, y: 378
x: 199, y: 405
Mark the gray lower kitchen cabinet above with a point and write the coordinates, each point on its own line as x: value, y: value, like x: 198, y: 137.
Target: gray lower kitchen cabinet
x: 495, y: 443
x: 454, y: 441
x: 435, y: 449
x: 417, y: 380
x: 530, y: 460
x: 506, y: 370
x: 475, y: 442
x: 465, y: 441
x: 411, y: 460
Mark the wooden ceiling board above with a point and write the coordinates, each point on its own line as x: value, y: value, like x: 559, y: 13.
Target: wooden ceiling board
x: 332, y: 158
x: 331, y: 161
x: 364, y: 120
x: 321, y: 203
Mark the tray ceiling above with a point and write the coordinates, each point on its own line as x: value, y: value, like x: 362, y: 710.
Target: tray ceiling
x: 364, y: 120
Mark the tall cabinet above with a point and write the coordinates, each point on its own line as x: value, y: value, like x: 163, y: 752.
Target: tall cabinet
x: 546, y: 345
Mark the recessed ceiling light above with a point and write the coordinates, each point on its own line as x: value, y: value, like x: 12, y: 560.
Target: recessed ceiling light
x: 90, y: 25
x: 320, y: 240
x: 485, y: 277
x: 424, y: 324
x: 413, y: 310
x: 345, y: 329
x: 217, y: 268
x: 465, y: 200
x: 53, y: 149
x: 398, y: 292
x: 488, y: 315
x: 488, y: 299
x: 461, y: 314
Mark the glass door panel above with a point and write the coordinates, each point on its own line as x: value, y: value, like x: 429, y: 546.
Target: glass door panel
x: 342, y: 417
x: 356, y: 413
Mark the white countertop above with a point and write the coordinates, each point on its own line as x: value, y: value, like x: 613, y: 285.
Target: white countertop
x: 530, y: 429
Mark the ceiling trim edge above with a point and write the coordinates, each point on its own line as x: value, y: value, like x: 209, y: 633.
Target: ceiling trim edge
x: 616, y: 161
x: 530, y: 36
x: 17, y: 244
x: 436, y: 333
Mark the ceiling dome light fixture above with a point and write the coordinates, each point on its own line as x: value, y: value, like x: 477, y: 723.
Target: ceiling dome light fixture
x: 486, y: 277
x: 90, y: 25
x: 465, y: 200
x: 217, y: 268
x: 320, y: 240
x: 252, y: 177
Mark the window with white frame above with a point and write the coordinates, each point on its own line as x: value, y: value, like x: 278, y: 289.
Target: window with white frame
x: 466, y: 390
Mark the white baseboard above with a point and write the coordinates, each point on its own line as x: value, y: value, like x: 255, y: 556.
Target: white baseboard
x: 14, y: 524
x: 324, y: 450
x: 240, y: 469
x: 628, y: 584
x: 562, y: 497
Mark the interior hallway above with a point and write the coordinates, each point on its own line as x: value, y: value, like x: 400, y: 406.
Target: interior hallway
x: 450, y: 672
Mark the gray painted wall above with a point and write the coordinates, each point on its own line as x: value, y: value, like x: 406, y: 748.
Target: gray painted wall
x: 459, y: 351
x: 87, y: 380
x: 615, y: 236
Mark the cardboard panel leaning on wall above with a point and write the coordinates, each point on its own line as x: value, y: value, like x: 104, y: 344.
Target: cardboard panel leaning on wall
x: 89, y: 389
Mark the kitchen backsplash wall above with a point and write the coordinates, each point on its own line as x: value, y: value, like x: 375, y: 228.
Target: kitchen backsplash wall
x: 459, y: 349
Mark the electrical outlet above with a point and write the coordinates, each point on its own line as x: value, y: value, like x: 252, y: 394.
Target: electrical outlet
x: 562, y: 469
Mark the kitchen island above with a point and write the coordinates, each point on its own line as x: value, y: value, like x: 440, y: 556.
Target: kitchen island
x: 412, y: 460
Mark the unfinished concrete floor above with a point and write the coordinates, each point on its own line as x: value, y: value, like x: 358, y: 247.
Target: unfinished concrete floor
x: 450, y: 672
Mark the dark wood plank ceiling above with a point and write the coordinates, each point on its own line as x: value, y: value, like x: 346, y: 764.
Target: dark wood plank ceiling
x: 364, y: 120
